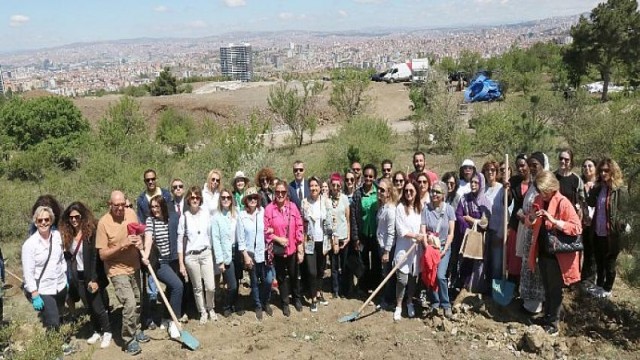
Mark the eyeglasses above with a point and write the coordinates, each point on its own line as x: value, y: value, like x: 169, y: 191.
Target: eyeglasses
x: 253, y: 198
x: 179, y: 186
x: 399, y: 181
x: 75, y: 217
x: 226, y: 197
x: 195, y: 198
x: 216, y: 180
x: 386, y: 169
x: 491, y: 170
x: 382, y: 190
x: 451, y: 183
x: 298, y: 170
x: 119, y: 205
x: 423, y: 182
x: 409, y: 191
x: 150, y: 180
x: 356, y: 169
x: 564, y: 159
x: 264, y: 179
x: 605, y: 170
x: 350, y: 179
x: 44, y: 221
x: 436, y: 192
x: 370, y: 176
x: 336, y: 185
x: 129, y: 206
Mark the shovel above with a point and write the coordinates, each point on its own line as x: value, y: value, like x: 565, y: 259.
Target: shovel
x: 356, y: 314
x: 502, y: 289
x: 185, y: 337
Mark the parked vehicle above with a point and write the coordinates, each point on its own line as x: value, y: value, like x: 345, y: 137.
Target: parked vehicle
x: 405, y: 71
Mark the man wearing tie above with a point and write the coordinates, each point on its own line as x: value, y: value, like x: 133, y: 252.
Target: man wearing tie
x: 299, y: 187
x: 176, y: 208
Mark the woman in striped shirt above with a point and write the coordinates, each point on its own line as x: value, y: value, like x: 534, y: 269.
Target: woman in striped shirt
x: 157, y: 234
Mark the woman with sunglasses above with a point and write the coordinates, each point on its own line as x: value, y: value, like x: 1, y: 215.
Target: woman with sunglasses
x: 156, y: 234
x: 451, y: 197
x: 225, y: 246
x: 252, y: 245
x: 571, y: 185
x: 467, y: 172
x: 517, y: 187
x: 349, y: 184
x: 211, y: 192
x: 494, y: 191
x: 78, y: 229
x: 399, y: 179
x: 45, y: 271
x: 194, y: 253
x: 386, y: 234
x: 609, y: 197
x: 588, y: 273
x: 424, y: 185
x: 284, y: 229
x: 50, y: 202
x: 337, y: 228
x: 264, y: 179
x: 408, y: 214
x: 316, y: 244
x: 438, y: 220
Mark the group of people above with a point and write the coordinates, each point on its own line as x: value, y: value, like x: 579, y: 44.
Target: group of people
x: 360, y: 224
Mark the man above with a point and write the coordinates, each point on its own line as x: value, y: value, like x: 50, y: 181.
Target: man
x: 299, y: 187
x: 357, y: 171
x: 152, y: 189
x: 420, y: 166
x: 177, y: 194
x: 120, y: 253
x: 387, y: 168
x: 175, y: 209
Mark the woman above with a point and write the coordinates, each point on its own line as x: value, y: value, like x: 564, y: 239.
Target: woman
x: 156, y: 234
x: 240, y: 183
x: 531, y: 289
x: 408, y: 219
x: 284, y: 232
x: 264, y: 178
x: 225, y: 246
x: 211, y: 192
x: 609, y: 198
x: 50, y: 202
x: 45, y: 271
x: 474, y: 209
x: 194, y: 253
x: 386, y: 233
x: 452, y: 198
x: 467, y: 172
x: 324, y: 189
x: 252, y: 245
x: 337, y: 228
x: 349, y: 184
x: 571, y: 185
x: 424, y: 186
x: 494, y: 191
x: 316, y: 245
x: 589, y: 179
x: 553, y: 213
x: 78, y: 229
x: 517, y: 187
x: 399, y: 179
x: 438, y: 219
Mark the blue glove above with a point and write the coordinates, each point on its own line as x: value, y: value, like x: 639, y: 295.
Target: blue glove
x: 38, y: 303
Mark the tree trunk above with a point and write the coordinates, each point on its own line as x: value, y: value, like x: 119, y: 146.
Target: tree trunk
x: 606, y: 77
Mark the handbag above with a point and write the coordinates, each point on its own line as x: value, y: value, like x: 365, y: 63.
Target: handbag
x: 278, y: 249
x: 558, y: 242
x: 473, y: 243
x: 26, y: 293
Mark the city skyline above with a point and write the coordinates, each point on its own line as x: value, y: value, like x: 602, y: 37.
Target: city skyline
x: 40, y: 24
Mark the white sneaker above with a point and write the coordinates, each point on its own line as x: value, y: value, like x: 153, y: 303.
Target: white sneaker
x: 411, y: 311
x: 203, y: 318
x: 174, y: 333
x: 106, y: 340
x: 184, y: 318
x: 212, y: 315
x: 93, y: 339
x: 604, y: 294
x: 397, y: 315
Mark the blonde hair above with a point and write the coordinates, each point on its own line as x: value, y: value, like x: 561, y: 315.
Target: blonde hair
x: 40, y: 210
x: 232, y: 208
x: 393, y: 193
x: 614, y: 172
x: 210, y: 175
x: 547, y: 183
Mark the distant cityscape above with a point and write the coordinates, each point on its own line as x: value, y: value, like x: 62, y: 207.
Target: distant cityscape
x: 86, y: 68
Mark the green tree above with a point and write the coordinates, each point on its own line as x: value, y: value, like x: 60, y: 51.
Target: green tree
x: 175, y: 130
x: 165, y: 84
x: 608, y: 38
x: 294, y: 103
x: 123, y: 124
x: 347, y: 94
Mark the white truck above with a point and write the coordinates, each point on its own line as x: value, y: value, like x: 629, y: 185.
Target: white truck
x: 407, y: 71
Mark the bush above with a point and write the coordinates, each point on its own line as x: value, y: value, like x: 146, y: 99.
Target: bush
x: 176, y: 130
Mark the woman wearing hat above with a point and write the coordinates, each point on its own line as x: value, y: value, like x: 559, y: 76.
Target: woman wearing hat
x: 240, y: 183
x: 467, y: 172
x: 251, y: 243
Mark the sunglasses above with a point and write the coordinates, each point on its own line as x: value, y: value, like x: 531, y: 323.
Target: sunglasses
x: 264, y: 179
x: 129, y: 206
x: 336, y: 185
x: 368, y: 176
x: 436, y: 192
x: 281, y: 192
x: 491, y: 170
x: 216, y: 180
x: 564, y: 159
x: 382, y: 190
x: 75, y: 217
x: 398, y: 180
x: 350, y: 179
x: 386, y: 169
x: 356, y: 169
x: 195, y: 198
x: 150, y: 180
x: 409, y: 191
x: 119, y: 205
x: 43, y: 220
x: 253, y: 198
x: 298, y: 170
x: 423, y: 182
x: 605, y: 170
x: 179, y: 186
x: 226, y: 197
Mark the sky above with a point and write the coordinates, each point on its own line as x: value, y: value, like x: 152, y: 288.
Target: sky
x: 33, y: 24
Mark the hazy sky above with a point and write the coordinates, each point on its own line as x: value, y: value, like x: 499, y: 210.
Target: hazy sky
x: 29, y: 24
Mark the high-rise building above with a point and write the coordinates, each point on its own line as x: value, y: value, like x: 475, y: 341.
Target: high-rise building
x: 236, y: 61
x: 1, y: 82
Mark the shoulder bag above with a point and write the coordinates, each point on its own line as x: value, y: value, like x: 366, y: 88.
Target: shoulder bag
x: 558, y: 242
x: 27, y: 294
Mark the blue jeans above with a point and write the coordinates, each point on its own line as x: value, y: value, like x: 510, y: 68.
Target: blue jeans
x: 261, y: 279
x: 341, y: 277
x: 232, y: 286
x: 167, y: 275
x: 494, y: 252
x: 440, y: 298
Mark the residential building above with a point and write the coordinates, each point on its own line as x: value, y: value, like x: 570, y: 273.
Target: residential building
x: 236, y: 61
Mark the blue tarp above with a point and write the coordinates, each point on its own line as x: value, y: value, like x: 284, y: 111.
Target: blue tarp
x: 481, y: 88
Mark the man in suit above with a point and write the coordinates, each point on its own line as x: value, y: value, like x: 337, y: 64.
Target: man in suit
x: 299, y: 187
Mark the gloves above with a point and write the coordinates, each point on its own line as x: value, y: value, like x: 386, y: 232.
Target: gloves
x: 38, y: 303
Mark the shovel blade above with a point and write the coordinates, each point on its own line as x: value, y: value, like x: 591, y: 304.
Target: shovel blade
x: 351, y: 317
x: 502, y: 291
x: 189, y: 340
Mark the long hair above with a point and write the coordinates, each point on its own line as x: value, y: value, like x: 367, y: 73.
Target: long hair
x: 87, y: 222
x: 393, y: 193
x: 232, y: 208
x: 417, y: 204
x: 264, y: 173
x: 210, y: 175
x: 582, y: 174
x: 164, y: 212
x: 614, y: 171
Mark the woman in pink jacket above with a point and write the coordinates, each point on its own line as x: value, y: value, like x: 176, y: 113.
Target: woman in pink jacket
x: 553, y: 212
x: 283, y: 233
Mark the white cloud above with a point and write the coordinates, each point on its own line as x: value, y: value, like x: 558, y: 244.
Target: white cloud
x: 285, y: 15
x: 235, y: 3
x: 18, y: 20
x: 160, y: 9
x: 369, y: 1
x: 197, y: 24
x: 342, y: 13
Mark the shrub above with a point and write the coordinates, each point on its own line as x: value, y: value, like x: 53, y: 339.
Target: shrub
x: 175, y: 130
